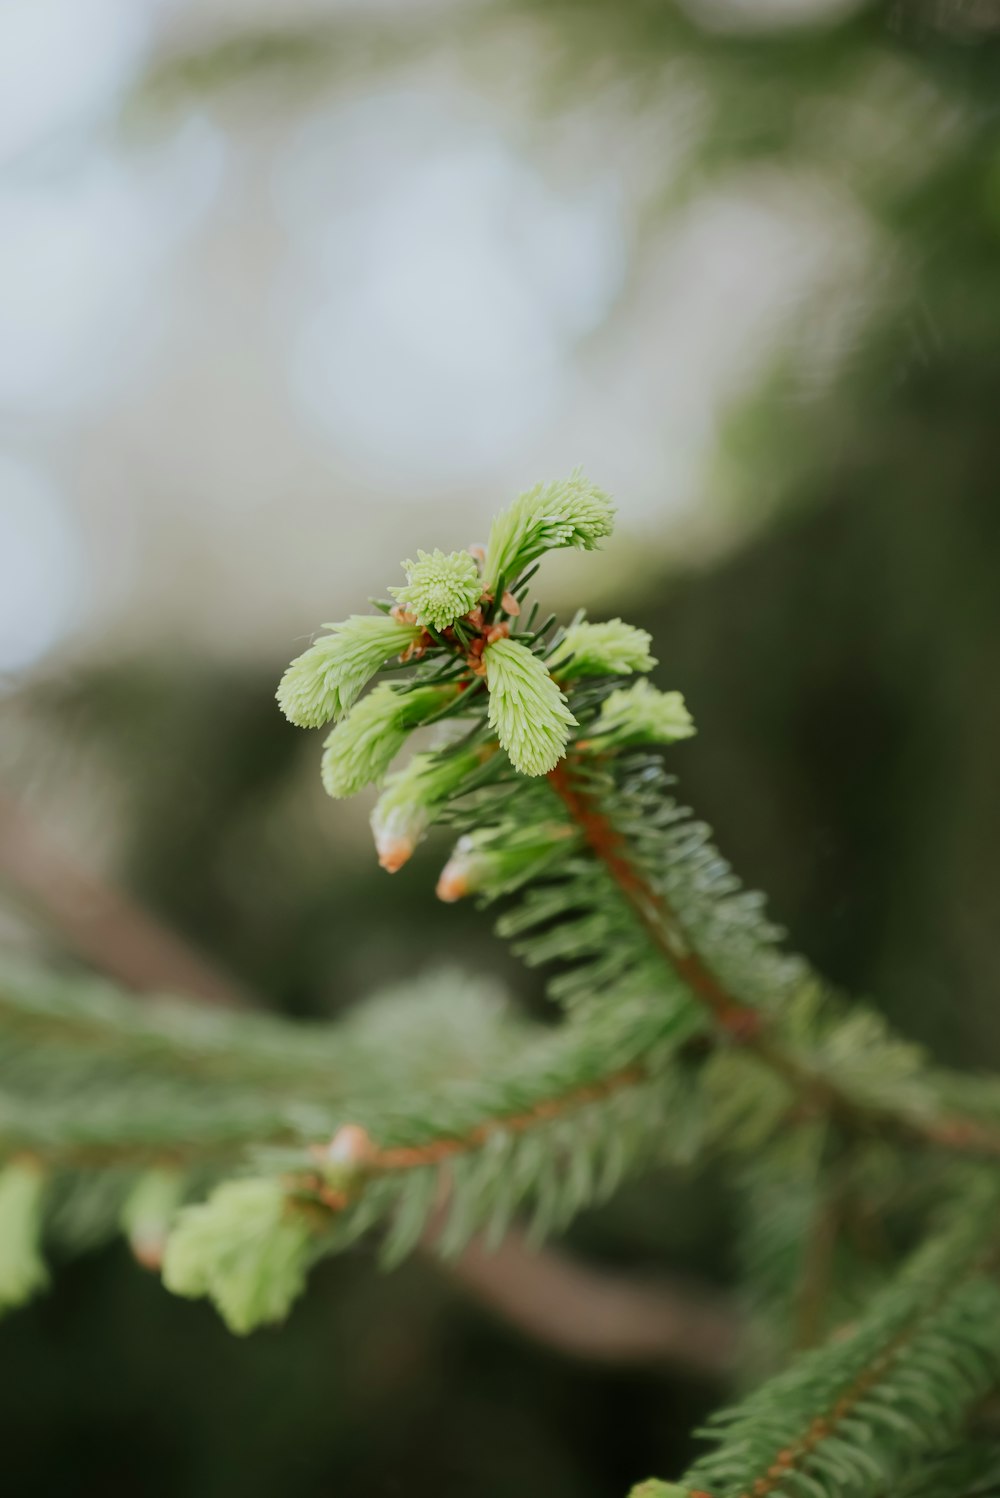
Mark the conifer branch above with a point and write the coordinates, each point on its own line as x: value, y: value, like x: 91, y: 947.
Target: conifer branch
x: 654, y: 912
x: 589, y: 1105
x: 604, y: 874
x: 688, y: 1030
x: 379, y: 1161
x: 739, y: 1022
x: 848, y: 1420
x: 444, y: 1019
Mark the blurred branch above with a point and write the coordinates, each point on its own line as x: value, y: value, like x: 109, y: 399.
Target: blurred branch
x: 292, y: 55
x: 582, y: 1312
x: 102, y: 924
x: 598, y: 1316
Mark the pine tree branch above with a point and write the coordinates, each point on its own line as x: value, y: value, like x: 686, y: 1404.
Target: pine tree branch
x: 851, y: 1417
x: 555, y: 1126
x: 443, y: 1022
x: 436, y: 1151
x: 365, y: 1161
x: 737, y: 1021
x: 655, y: 914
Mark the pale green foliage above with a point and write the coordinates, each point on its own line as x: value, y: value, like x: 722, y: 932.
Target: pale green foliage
x: 149, y: 1211
x: 363, y: 746
x: 440, y: 587
x: 412, y: 798
x: 22, y: 1269
x: 491, y: 863
x: 443, y: 591
x: 83, y: 1067
x: 527, y: 709
x: 247, y: 1248
x: 565, y: 512
x: 609, y: 649
x: 326, y: 679
x: 654, y: 1488
x: 642, y: 714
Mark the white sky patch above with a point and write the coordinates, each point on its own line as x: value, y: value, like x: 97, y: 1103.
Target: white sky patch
x: 62, y: 63
x: 445, y: 284
x: 41, y: 567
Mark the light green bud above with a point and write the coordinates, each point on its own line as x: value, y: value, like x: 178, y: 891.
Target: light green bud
x: 440, y: 587
x: 362, y: 747
x: 323, y: 682
x: 641, y: 714
x: 482, y: 863
x: 527, y: 709
x: 22, y: 1269
x: 247, y: 1248
x: 609, y: 649
x: 566, y: 512
x: 148, y: 1213
x: 410, y: 801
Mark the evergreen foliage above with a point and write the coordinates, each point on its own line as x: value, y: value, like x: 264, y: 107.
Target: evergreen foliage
x: 610, y: 649
x: 853, y: 1416
x: 566, y: 512
x: 246, y: 1247
x: 323, y: 682
x: 439, y: 588
x: 237, y: 1150
x: 22, y: 1270
x: 362, y: 747
x: 527, y: 709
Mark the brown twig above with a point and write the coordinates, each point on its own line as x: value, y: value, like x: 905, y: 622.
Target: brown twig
x: 102, y: 924
x: 659, y: 921
x: 599, y: 1316
x: 353, y: 1151
x: 826, y: 1425
x: 819, y: 1252
x: 737, y: 1020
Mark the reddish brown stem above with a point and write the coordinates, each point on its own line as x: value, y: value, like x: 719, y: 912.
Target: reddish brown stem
x: 370, y: 1159
x: 739, y: 1021
x: 103, y: 924
x: 410, y: 1157
x: 658, y: 919
x: 599, y: 1315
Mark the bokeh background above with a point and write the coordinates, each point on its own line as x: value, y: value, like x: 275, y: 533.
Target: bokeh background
x: 287, y: 290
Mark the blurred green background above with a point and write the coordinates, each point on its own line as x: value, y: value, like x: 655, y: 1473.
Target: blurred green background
x: 288, y: 290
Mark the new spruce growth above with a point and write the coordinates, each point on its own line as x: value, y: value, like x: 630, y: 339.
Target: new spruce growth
x: 527, y: 709
x: 364, y: 745
x: 22, y: 1268
x: 568, y: 512
x: 323, y: 682
x: 457, y: 621
x: 610, y: 649
x: 440, y: 589
x: 689, y: 1035
x: 247, y: 1247
x: 640, y: 714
